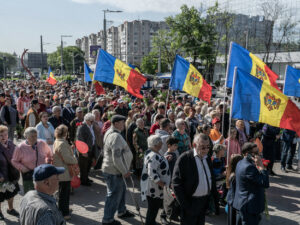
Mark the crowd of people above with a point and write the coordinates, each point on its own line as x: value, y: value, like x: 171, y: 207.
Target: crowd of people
x: 188, y: 155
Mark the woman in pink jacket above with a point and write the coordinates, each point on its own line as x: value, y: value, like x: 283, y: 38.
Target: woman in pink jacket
x: 30, y: 154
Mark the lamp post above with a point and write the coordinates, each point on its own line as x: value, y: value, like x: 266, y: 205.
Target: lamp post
x: 61, y: 52
x: 104, y: 24
x: 79, y: 54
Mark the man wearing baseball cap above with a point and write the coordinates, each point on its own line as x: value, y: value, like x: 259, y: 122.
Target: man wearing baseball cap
x: 116, y: 165
x: 39, y: 206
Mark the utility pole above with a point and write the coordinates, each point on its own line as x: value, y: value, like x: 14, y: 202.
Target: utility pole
x: 159, y: 60
x: 247, y: 37
x: 104, y: 24
x: 61, y: 52
x: 73, y: 63
x: 4, y: 72
x: 42, y: 55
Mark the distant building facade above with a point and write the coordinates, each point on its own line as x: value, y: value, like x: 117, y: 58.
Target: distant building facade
x: 130, y: 41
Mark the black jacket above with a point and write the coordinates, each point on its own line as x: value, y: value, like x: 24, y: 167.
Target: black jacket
x: 250, y: 187
x: 185, y: 180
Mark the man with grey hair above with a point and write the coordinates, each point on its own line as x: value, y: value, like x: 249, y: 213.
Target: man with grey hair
x: 56, y: 119
x: 193, y: 190
x: 86, y: 134
x: 116, y: 166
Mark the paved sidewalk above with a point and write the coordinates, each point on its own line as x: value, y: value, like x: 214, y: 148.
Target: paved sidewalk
x: 88, y: 202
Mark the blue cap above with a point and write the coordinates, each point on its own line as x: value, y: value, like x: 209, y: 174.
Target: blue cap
x: 45, y: 171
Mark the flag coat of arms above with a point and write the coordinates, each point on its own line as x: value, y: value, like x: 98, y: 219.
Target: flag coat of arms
x: 89, y: 76
x: 255, y: 100
x: 292, y: 82
x: 51, y: 79
x: 245, y: 60
x: 185, y: 77
x: 114, y: 71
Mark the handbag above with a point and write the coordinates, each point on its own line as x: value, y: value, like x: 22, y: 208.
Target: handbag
x: 73, y: 168
x: 13, y: 173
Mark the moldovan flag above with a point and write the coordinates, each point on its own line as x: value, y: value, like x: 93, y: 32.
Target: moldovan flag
x: 134, y: 67
x: 185, y: 77
x: 89, y: 76
x: 292, y: 82
x: 255, y: 100
x: 114, y: 71
x: 250, y: 63
x: 51, y: 79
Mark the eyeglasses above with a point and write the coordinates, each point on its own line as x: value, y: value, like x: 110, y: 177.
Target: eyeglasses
x: 204, y: 147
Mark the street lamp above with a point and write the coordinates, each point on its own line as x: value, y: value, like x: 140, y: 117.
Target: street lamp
x: 61, y: 52
x: 74, y: 56
x: 104, y: 24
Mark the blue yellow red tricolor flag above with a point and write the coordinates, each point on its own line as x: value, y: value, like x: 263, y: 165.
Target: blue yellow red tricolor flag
x: 292, y: 82
x: 88, y: 73
x: 51, y: 79
x: 134, y: 67
x: 89, y: 76
x: 185, y: 77
x: 250, y: 63
x: 257, y: 101
x: 114, y: 71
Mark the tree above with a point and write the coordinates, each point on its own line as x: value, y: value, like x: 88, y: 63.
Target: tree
x: 280, y: 23
x: 54, y: 59
x: 149, y: 64
x: 195, y: 35
x: 9, y: 61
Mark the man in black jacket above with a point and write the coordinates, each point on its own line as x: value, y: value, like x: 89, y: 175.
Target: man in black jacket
x: 193, y: 189
x: 251, y: 181
x: 86, y: 134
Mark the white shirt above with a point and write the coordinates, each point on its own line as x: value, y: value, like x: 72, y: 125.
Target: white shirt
x: 202, y: 188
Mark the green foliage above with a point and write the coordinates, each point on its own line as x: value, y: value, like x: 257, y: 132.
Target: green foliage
x: 195, y: 35
x: 9, y: 62
x: 54, y: 59
x: 217, y: 83
x: 149, y: 64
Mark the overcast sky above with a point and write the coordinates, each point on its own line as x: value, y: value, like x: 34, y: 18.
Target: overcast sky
x: 23, y: 21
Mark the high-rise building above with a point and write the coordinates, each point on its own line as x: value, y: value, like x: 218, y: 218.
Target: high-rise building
x: 129, y: 41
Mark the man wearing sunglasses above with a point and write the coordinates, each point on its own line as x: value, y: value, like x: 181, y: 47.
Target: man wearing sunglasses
x: 194, y: 182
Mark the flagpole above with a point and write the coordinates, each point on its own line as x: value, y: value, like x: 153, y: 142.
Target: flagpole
x: 225, y: 91
x: 231, y: 106
x: 95, y: 69
x: 284, y: 78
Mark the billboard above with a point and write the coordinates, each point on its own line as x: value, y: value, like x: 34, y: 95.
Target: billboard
x: 94, y: 50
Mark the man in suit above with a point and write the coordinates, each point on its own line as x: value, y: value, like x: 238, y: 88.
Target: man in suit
x: 251, y: 180
x: 68, y: 112
x: 86, y: 133
x: 194, y: 182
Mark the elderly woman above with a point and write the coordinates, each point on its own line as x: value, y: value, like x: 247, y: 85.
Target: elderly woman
x: 45, y: 129
x: 8, y: 174
x: 29, y: 154
x: 181, y: 135
x: 63, y: 157
x: 140, y: 134
x: 9, y: 117
x: 155, y: 177
x: 56, y: 119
